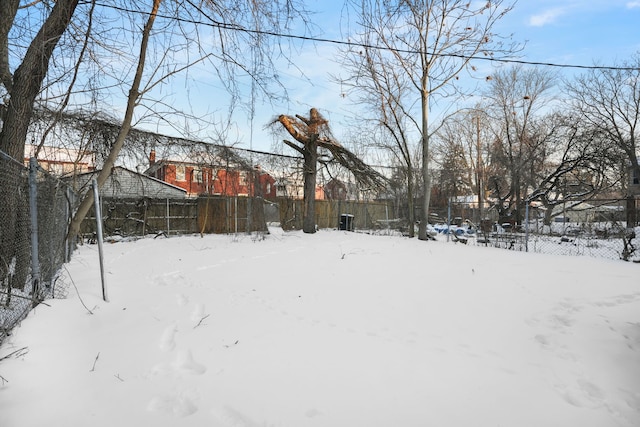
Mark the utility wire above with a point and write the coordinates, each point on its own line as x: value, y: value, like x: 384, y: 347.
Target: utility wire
x: 234, y: 27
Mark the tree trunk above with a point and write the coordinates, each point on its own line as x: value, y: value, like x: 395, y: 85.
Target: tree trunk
x: 632, y: 212
x: 310, y: 171
x: 410, y: 201
x: 28, y: 78
x: 22, y: 89
x: 547, y: 214
x: 426, y: 173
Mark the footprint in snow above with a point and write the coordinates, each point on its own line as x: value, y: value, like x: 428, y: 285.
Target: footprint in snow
x: 583, y: 394
x: 182, y: 300
x: 185, y: 363
x: 230, y: 417
x: 178, y: 405
x: 168, y: 279
x: 168, y: 339
x: 198, y: 312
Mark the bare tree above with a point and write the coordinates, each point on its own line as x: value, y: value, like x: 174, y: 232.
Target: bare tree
x: 463, y: 140
x: 307, y: 131
x: 575, y: 168
x: 375, y: 83
x: 431, y: 42
x: 133, y: 99
x: 450, y: 154
x: 93, y: 79
x: 23, y: 85
x: 608, y: 102
x: 314, y: 133
x: 522, y: 136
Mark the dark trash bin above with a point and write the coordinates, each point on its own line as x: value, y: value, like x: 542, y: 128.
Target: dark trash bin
x: 346, y: 222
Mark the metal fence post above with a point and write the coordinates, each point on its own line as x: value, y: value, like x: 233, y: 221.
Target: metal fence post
x: 96, y: 204
x: 33, y: 208
x: 386, y: 215
x: 68, y: 248
x: 448, y: 218
x: 526, y: 227
x: 168, y: 225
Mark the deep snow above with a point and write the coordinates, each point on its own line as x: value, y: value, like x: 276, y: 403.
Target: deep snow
x: 330, y: 329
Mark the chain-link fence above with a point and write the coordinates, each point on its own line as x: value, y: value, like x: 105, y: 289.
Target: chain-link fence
x: 597, y: 228
x: 34, y: 214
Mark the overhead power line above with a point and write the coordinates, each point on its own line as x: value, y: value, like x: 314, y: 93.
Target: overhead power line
x: 233, y: 27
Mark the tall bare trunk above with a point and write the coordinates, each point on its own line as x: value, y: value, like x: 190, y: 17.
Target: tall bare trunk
x: 22, y: 89
x: 426, y: 172
x: 134, y: 94
x: 410, y: 201
x: 310, y: 172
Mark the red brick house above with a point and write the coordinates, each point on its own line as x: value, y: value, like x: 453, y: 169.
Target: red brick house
x: 201, y: 179
x: 335, y: 190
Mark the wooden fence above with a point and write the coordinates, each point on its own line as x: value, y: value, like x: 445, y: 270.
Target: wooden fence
x: 365, y: 215
x: 221, y: 215
x: 138, y: 217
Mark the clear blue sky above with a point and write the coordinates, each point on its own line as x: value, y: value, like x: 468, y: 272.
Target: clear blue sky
x: 576, y: 32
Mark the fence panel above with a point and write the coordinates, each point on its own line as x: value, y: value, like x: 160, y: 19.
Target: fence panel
x: 24, y: 280
x: 597, y: 228
x: 55, y: 202
x: 207, y: 214
x: 15, y: 246
x: 366, y: 215
x: 143, y: 216
x: 220, y: 214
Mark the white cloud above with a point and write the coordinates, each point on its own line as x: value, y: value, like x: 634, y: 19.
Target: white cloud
x: 546, y: 17
x: 633, y: 5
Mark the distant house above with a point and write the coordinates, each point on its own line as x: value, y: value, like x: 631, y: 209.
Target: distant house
x: 126, y: 184
x: 61, y: 161
x: 294, y: 189
x: 634, y: 181
x: 198, y: 178
x: 335, y: 190
x: 585, y: 213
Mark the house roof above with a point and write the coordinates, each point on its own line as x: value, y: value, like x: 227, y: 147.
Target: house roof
x: 60, y: 154
x: 125, y: 183
x: 213, y: 156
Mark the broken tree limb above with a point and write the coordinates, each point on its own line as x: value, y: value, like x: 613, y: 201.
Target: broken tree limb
x: 294, y: 146
x: 20, y: 352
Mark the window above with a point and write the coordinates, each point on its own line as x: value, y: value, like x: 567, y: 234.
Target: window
x: 56, y: 168
x: 197, y: 175
x: 242, y: 178
x: 180, y: 173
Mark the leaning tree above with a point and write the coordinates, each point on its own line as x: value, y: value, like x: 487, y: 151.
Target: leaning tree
x: 88, y: 45
x: 313, y: 134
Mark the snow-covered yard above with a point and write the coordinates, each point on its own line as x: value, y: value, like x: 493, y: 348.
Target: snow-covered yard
x: 331, y: 329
